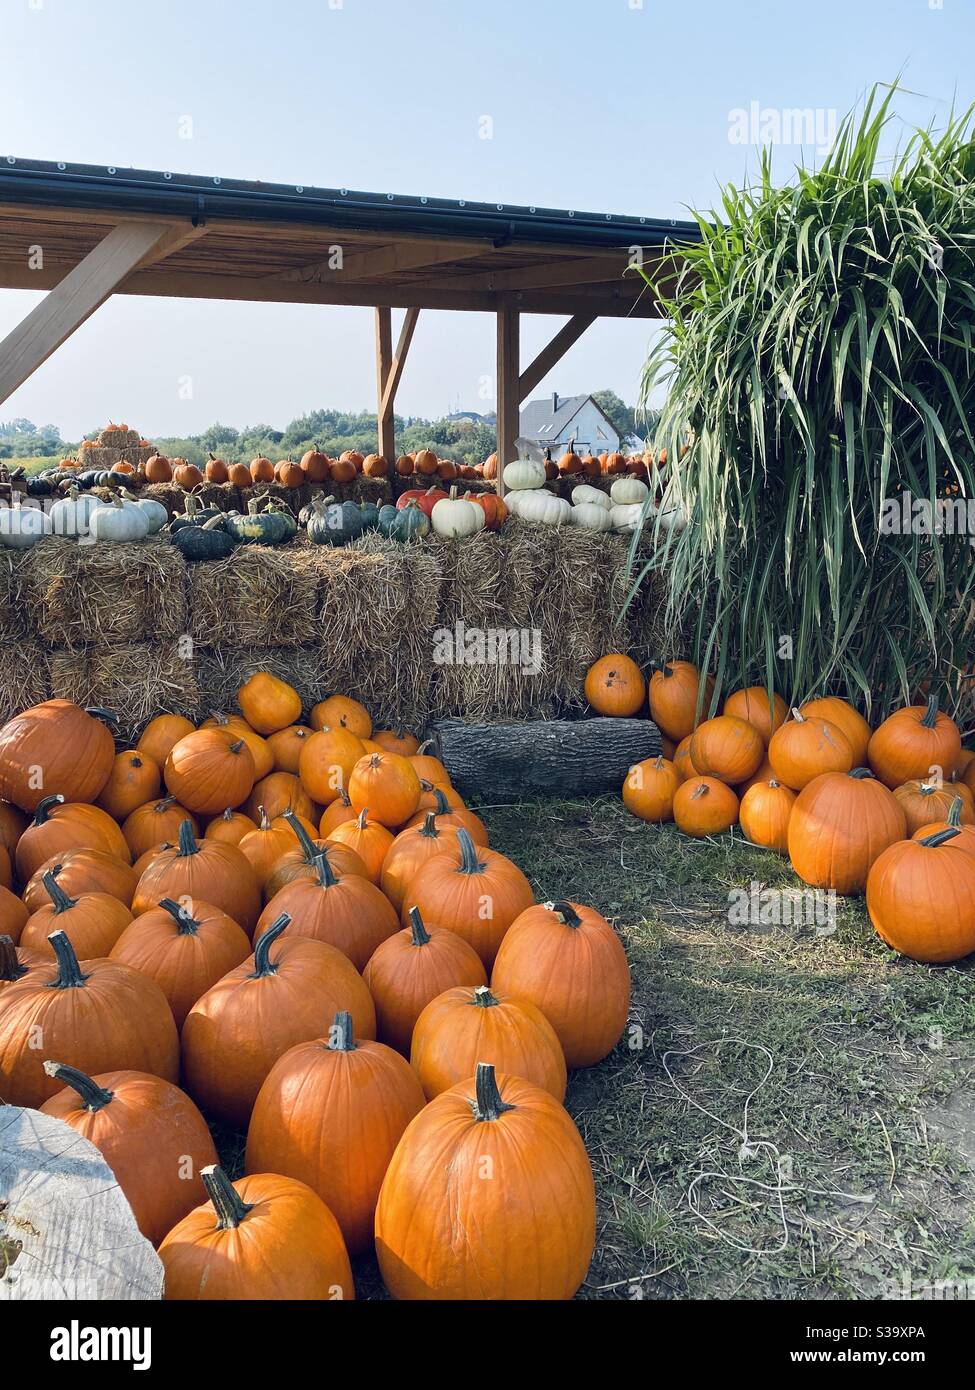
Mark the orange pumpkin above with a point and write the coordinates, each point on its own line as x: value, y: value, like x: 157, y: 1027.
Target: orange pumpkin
x: 848, y: 720
x: 92, y: 922
x: 268, y: 703
x: 451, y: 817
x: 916, y: 742
x: 201, y: 869
x: 82, y: 871
x: 58, y: 826
x: 753, y: 706
x: 13, y: 916
x: 229, y: 827
x: 135, y: 779
x: 396, y: 741
x: 386, y: 785
x: 964, y: 840
x: 673, y: 693
x: 615, y: 686
x: 262, y: 469
x: 840, y: 824
x: 338, y: 812
x: 340, y: 712
x: 370, y: 840
x: 326, y: 763
x: 238, y: 727
x: 924, y: 802
x: 727, y: 748
x: 805, y: 748
x: 921, y: 898
x: 277, y: 793
x: 408, y: 853
x: 156, y: 823
x: 54, y: 748
x: 161, y: 735
x: 705, y: 806
x: 649, y: 787
x: 347, y: 912
x: 286, y: 746
x: 209, y: 770
x: 314, y: 465
x: 764, y: 814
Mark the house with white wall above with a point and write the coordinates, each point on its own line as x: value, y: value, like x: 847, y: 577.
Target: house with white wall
x: 558, y: 422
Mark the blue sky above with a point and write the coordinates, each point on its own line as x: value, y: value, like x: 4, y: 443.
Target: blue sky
x: 608, y: 105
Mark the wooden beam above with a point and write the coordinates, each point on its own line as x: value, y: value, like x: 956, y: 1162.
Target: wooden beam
x: 384, y: 360
x: 587, y: 270
x: 386, y: 260
x: 75, y: 298
x: 567, y: 335
x: 180, y: 234
x: 388, y: 398
x: 508, y: 371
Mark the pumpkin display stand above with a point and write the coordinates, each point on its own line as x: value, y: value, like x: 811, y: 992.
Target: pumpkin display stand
x: 549, y: 757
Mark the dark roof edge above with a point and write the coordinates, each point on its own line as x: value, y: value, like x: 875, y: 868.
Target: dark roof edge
x: 44, y: 183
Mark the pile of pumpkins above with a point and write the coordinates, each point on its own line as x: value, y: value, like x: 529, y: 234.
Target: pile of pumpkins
x: 645, y: 466
x: 887, y: 811
x: 315, y: 466
x: 624, y: 508
x: 299, y: 930
x: 80, y: 515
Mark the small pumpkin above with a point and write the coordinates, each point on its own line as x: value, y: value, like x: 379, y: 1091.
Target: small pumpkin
x: 92, y: 922
x: 341, y: 712
x: 615, y: 686
x: 345, y: 911
x: 764, y: 813
x: 285, y: 747
x: 407, y: 854
x: 239, y: 1256
x: 268, y: 703
x: 673, y: 693
x: 150, y: 1134
x: 156, y: 823
x: 301, y: 860
x: 802, y: 749
x: 848, y: 720
x: 727, y: 748
x: 649, y: 788
x: 705, y: 806
x: 450, y: 817
x: 964, y: 840
x: 229, y: 827
x: 135, y: 779
x: 752, y: 705
x: 915, y: 742
x: 925, y: 801
x: 279, y: 792
x: 314, y: 465
x: 161, y: 734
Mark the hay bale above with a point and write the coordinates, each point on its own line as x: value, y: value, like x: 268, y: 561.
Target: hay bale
x: 24, y: 677
x: 258, y: 597
x: 294, y: 498
x: 105, y: 593
x: 173, y: 498
x: 135, y: 680
x: 221, y: 671
x: 119, y: 437
x: 377, y: 603
x: 12, y: 616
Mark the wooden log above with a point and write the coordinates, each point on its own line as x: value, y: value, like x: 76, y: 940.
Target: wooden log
x: 66, y: 1228
x: 559, y: 757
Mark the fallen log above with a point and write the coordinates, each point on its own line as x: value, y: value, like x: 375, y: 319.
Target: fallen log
x: 557, y: 757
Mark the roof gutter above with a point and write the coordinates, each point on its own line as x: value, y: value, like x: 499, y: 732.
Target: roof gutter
x: 200, y: 199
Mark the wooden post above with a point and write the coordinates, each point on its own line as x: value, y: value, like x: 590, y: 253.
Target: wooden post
x: 76, y: 297
x: 508, y: 375
x: 384, y: 410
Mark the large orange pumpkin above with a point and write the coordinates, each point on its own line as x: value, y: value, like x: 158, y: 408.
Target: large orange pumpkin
x: 59, y: 826
x: 54, y: 749
x: 472, y: 891
x: 917, y: 741
x: 347, y: 912
x: 238, y: 1256
x: 728, y: 748
x: 105, y: 1015
x: 923, y: 802
x: 185, y: 949
x: 408, y: 853
x: 528, y: 1233
x: 326, y: 762
x: 753, y: 706
x: 92, y: 922
x: 269, y: 703
x: 465, y: 1024
x: 330, y: 1114
x: 386, y: 785
x: 921, y: 898
x: 410, y: 969
x: 840, y: 824
x: 235, y: 1033
x: 805, y: 748
x: 150, y: 1134
x: 615, y: 686
x: 201, y: 870
x: 156, y: 823
x: 673, y: 697
x: 209, y: 770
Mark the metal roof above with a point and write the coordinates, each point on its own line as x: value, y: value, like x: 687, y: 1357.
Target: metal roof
x: 276, y: 242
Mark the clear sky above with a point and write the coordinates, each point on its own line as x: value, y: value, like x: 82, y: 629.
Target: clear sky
x: 605, y: 105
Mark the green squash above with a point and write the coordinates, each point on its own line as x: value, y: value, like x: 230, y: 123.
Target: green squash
x: 322, y: 525
x: 409, y: 524
x: 257, y: 528
x: 387, y: 515
x: 207, y: 542
x: 195, y: 515
x: 314, y: 507
x: 369, y: 513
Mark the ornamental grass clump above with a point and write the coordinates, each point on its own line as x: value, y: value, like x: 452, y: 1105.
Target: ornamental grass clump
x: 821, y: 376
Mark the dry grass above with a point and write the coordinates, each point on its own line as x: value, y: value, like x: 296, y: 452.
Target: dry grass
x: 24, y: 678
x: 220, y: 672
x: 104, y: 593
x: 134, y: 680
x: 12, y: 617
x: 258, y: 597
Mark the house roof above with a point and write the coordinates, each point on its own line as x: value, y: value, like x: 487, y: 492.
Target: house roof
x: 274, y: 242
x: 539, y: 420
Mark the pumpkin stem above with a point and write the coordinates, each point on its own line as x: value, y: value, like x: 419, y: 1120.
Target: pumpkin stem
x: 859, y: 773
x: 429, y: 829
x: 341, y: 1036
x: 10, y: 966
x: 262, y: 951
x: 361, y: 820
x: 227, y: 1202
x: 308, y: 847
x: 953, y: 817
x: 483, y: 998
x: 264, y: 823
x: 469, y: 862
x: 93, y: 1096
x: 187, y: 840
x: 326, y: 877
x: 186, y: 925
x: 931, y: 713
x: 44, y: 806
x: 60, y: 899
x: 798, y: 715
x: 701, y: 789
x: 107, y: 716
x: 419, y: 933
x: 487, y: 1104
x: 237, y: 745
x: 443, y: 805
x: 940, y: 837
x: 565, y: 912
x: 662, y: 668
x: 69, y: 974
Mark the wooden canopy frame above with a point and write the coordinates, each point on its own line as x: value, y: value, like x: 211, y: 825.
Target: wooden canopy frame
x: 84, y: 233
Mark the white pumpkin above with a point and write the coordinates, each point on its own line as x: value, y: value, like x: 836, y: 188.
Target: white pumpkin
x: 71, y: 515
x: 673, y: 520
x: 626, y: 516
x: 154, y: 512
x: 544, y: 507
x: 454, y: 517
x: 591, y: 517
x: 593, y: 496
x: 524, y: 474
x: 119, y: 521
x: 22, y: 527
x: 627, y: 490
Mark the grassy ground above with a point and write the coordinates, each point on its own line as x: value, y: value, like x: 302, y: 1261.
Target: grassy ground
x: 790, y: 1114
